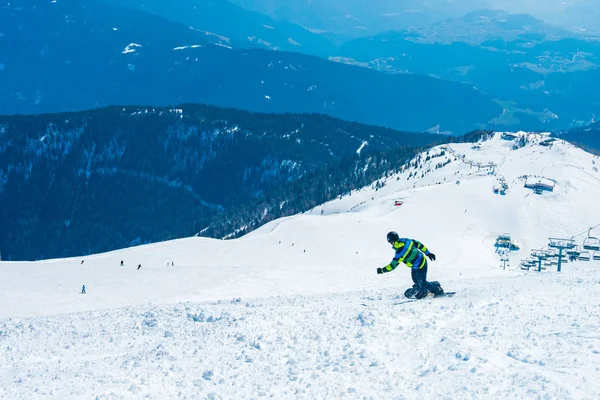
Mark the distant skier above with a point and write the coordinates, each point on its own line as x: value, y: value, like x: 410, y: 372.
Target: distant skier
x: 121, y: 263
x: 139, y: 266
x: 83, y: 289
x: 412, y: 253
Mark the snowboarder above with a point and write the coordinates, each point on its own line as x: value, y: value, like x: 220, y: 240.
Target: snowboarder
x: 121, y: 263
x: 414, y: 254
x: 139, y: 266
x: 83, y: 289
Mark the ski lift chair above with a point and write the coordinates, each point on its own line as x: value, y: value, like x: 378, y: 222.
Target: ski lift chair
x: 527, y: 264
x: 591, y: 243
x: 596, y: 256
x: 551, y: 253
x: 584, y: 256
x: 574, y: 253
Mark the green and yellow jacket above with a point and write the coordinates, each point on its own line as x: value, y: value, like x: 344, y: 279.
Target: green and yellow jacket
x: 410, y: 252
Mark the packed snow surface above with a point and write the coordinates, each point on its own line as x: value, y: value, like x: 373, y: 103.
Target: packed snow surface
x: 296, y: 310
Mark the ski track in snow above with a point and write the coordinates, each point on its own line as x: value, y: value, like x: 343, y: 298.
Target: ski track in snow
x: 314, y: 321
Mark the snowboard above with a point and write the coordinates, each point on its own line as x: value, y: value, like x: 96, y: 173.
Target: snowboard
x: 429, y: 296
x: 445, y: 294
x: 411, y: 295
x: 412, y: 299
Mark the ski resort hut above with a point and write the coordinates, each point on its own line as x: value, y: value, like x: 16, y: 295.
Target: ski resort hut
x: 505, y: 241
x: 548, y: 142
x: 509, y: 136
x: 539, y: 184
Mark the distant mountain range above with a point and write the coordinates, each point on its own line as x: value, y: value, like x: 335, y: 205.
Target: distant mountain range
x: 79, y: 183
x: 496, y: 69
x: 581, y: 15
x: 228, y: 20
x: 357, y: 18
x: 542, y: 81
x: 481, y: 26
x: 95, y: 55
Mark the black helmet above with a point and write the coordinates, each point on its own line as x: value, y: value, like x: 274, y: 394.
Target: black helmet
x: 392, y: 237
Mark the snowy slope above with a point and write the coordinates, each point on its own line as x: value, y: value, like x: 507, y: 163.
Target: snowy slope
x: 498, y: 339
x: 343, y: 246
x: 296, y: 310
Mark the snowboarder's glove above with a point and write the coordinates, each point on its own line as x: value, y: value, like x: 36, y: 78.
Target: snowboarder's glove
x: 379, y: 270
x: 431, y: 256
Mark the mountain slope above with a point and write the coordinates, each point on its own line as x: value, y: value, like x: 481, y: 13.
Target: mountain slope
x: 97, y: 56
x: 344, y: 239
x: 296, y: 310
x: 225, y: 19
x: 94, y: 181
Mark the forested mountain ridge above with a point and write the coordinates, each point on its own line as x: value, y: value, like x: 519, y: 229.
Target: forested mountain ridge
x: 77, y: 183
x: 586, y: 137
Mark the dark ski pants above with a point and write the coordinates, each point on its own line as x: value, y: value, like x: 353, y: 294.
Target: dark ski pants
x: 419, y: 277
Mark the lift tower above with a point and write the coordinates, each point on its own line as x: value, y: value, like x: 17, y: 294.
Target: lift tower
x: 561, y: 245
